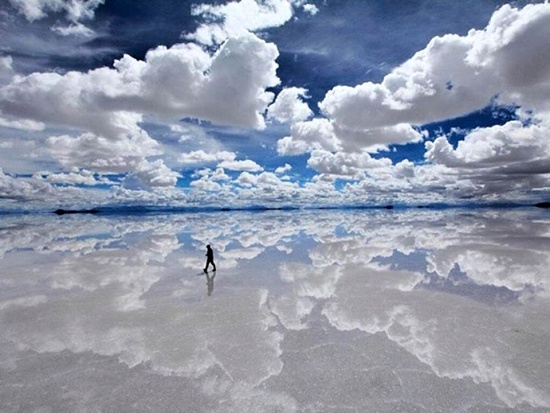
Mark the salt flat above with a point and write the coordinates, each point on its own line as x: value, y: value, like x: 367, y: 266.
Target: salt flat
x: 328, y: 311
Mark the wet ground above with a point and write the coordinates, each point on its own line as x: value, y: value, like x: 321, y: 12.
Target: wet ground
x: 313, y: 311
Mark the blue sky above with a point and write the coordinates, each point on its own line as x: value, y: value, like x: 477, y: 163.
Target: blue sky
x: 274, y: 102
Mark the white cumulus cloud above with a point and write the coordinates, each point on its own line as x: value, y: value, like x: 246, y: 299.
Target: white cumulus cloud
x: 227, y: 87
x: 103, y: 109
x: 244, y: 165
x: 75, y: 177
x: 156, y: 174
x: 100, y: 154
x: 323, y: 134
x: 506, y: 63
x: 238, y: 17
x: 283, y: 169
x: 498, y: 159
x: 200, y: 157
x: 342, y: 164
x: 455, y: 75
x: 289, y: 106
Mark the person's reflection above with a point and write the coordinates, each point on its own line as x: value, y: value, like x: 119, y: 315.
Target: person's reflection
x: 210, y: 283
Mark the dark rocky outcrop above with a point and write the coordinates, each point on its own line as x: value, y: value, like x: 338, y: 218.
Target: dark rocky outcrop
x: 75, y: 211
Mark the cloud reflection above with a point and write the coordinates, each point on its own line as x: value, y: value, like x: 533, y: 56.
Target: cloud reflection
x: 385, y: 289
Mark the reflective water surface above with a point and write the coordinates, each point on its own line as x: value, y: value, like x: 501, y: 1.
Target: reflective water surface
x: 313, y: 311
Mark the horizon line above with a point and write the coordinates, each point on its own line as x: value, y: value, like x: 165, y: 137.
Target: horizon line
x: 152, y: 209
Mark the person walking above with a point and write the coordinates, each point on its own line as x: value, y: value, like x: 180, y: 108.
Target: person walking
x: 209, y: 258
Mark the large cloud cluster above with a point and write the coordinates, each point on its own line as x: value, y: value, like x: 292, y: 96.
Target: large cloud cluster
x: 455, y: 75
x: 226, y: 87
x: 106, y: 120
x: 109, y: 104
x: 507, y: 63
x: 500, y: 158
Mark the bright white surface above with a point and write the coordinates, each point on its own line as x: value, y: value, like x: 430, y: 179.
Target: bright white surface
x: 409, y: 311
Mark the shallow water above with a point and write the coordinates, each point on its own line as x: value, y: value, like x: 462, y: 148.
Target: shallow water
x: 309, y: 311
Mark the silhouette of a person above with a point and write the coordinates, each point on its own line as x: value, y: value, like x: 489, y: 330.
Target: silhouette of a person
x: 209, y: 258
